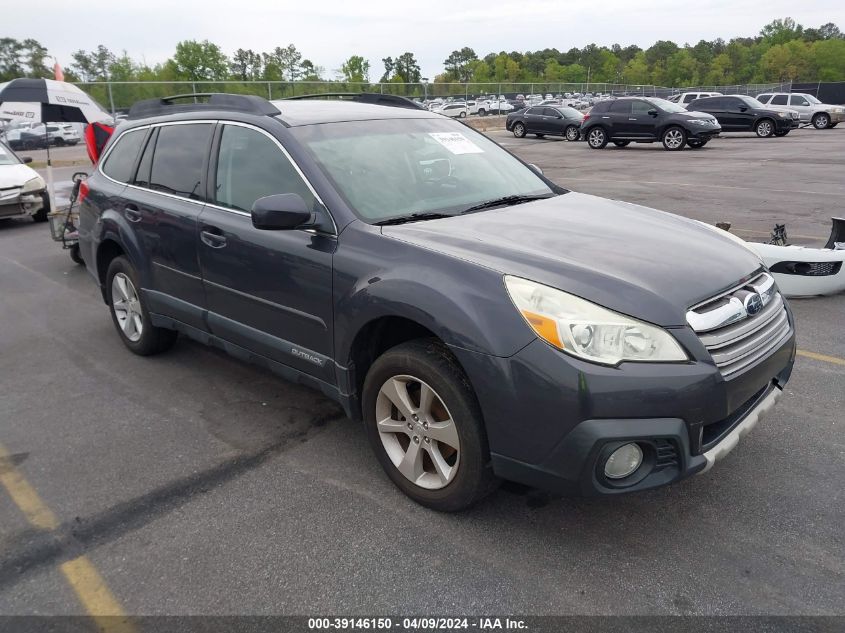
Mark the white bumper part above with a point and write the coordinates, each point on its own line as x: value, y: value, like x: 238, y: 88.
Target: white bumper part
x: 741, y: 430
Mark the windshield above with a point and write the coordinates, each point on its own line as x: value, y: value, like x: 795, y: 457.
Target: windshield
x: 7, y: 156
x: 666, y: 106
x: 751, y: 102
x: 395, y: 167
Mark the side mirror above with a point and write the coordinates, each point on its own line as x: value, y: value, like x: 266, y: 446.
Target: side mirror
x: 653, y: 112
x: 743, y: 108
x: 78, y: 176
x: 535, y: 168
x: 284, y: 211
x: 26, y: 160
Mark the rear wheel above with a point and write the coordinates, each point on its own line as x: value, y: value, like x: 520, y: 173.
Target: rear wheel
x: 697, y: 144
x: 621, y: 143
x: 425, y: 426
x: 75, y: 255
x: 597, y: 138
x: 782, y: 133
x: 519, y: 130
x: 674, y: 138
x: 129, y: 313
x: 821, y: 120
x: 539, y: 135
x: 572, y: 133
x: 462, y: 114
x: 765, y: 128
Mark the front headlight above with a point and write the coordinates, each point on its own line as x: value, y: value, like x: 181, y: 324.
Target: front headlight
x: 34, y: 184
x: 702, y: 121
x: 587, y: 330
x: 839, y: 110
x: 783, y: 115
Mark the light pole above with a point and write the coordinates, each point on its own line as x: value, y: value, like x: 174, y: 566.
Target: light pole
x: 425, y: 89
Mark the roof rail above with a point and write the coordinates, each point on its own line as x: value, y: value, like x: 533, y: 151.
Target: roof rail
x: 213, y: 101
x: 374, y: 98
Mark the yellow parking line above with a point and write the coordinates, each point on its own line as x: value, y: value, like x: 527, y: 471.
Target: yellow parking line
x: 24, y: 495
x: 80, y: 574
x: 822, y: 357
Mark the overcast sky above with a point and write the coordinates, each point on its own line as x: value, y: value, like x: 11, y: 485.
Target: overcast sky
x: 328, y: 31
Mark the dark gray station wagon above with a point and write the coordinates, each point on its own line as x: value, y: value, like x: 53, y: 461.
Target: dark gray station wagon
x: 480, y: 320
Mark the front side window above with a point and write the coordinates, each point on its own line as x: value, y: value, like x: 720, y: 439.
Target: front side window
x: 798, y: 100
x: 121, y: 159
x: 250, y: 165
x: 396, y: 167
x: 779, y: 100
x: 179, y: 158
x: 641, y: 107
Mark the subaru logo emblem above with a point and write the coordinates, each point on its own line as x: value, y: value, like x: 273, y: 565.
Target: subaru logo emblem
x: 753, y: 304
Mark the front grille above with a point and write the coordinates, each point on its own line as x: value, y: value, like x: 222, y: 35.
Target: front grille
x: 737, y: 336
x: 808, y: 269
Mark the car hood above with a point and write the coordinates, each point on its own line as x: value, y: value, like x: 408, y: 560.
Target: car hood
x: 641, y: 262
x: 696, y: 114
x: 15, y: 175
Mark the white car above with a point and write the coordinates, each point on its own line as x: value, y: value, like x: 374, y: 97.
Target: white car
x: 57, y: 133
x: 456, y: 109
x: 500, y: 106
x: 686, y: 98
x: 809, y: 109
x: 22, y: 190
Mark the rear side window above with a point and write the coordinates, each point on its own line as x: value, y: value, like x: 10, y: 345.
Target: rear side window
x: 621, y: 107
x: 690, y: 98
x: 179, y: 158
x: 121, y: 158
x: 763, y: 98
x: 142, y: 177
x: 250, y: 165
x: 779, y: 100
x: 711, y: 103
x: 601, y: 106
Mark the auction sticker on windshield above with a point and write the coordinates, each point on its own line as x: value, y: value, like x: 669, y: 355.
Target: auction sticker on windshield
x: 456, y: 142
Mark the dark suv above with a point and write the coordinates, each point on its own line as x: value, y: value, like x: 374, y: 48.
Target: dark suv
x: 474, y: 315
x: 739, y: 113
x: 646, y: 120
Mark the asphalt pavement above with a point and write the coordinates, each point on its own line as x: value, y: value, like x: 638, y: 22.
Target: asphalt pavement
x: 196, y: 484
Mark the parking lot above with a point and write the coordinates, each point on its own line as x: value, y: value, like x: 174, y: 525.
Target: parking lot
x: 195, y: 484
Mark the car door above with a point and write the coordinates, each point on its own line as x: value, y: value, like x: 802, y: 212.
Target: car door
x: 619, y: 117
x: 802, y: 106
x: 163, y: 203
x: 641, y: 124
x: 533, y: 118
x: 268, y: 291
x: 552, y: 121
x: 719, y: 108
x: 739, y: 114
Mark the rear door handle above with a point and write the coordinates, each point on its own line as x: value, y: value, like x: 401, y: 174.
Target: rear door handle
x: 132, y: 214
x: 213, y: 237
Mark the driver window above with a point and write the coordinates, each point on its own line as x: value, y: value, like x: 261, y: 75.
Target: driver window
x: 798, y: 101
x: 250, y: 165
x: 641, y: 107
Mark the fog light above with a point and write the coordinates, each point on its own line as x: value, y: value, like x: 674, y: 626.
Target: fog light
x: 623, y: 461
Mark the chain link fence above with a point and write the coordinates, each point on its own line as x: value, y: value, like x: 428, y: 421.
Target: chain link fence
x: 118, y: 96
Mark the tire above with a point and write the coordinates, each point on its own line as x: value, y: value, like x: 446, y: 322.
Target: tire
x: 674, y: 138
x: 540, y: 135
x: 782, y: 133
x: 821, y: 120
x: 406, y: 371
x: 482, y: 112
x: 597, y: 138
x: 75, y: 255
x: 150, y: 340
x: 519, y: 130
x: 462, y: 115
x: 697, y: 144
x: 765, y: 128
x: 572, y: 133
x: 621, y: 143
x: 41, y: 214
x: 832, y: 125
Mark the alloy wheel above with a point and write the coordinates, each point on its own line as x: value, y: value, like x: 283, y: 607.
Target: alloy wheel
x: 674, y: 139
x: 764, y: 128
x: 596, y: 138
x: 571, y: 133
x: 821, y: 121
x: 417, y: 432
x: 127, y: 307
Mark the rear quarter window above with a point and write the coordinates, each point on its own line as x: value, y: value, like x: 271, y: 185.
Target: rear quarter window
x: 121, y: 159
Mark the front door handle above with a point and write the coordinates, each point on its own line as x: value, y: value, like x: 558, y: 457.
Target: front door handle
x: 132, y: 214
x: 632, y: 118
x: 212, y: 237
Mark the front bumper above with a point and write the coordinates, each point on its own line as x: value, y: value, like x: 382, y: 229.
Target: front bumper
x: 551, y: 419
x: 836, y: 117
x: 22, y: 205
x: 705, y: 134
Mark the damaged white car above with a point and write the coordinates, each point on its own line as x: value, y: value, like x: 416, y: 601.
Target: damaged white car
x: 22, y: 191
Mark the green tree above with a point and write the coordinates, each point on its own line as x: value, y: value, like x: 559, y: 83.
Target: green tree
x: 407, y: 68
x: 310, y: 71
x: 459, y: 64
x: 829, y: 56
x: 356, y: 69
x: 389, y: 66
x: 246, y: 65
x: 199, y: 61
x: 636, y: 70
x: 781, y: 31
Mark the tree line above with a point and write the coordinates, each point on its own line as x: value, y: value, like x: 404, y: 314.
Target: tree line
x: 783, y: 51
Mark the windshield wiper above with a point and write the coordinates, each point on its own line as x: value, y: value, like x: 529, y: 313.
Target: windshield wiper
x: 504, y: 201
x: 413, y: 217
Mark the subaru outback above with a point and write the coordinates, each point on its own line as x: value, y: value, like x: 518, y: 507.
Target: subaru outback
x: 475, y: 316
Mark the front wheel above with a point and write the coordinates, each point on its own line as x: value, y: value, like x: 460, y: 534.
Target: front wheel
x: 41, y: 214
x: 424, y: 424
x: 462, y: 114
x: 674, y: 139
x: 539, y: 135
x: 129, y: 313
x: 782, y: 133
x: 482, y: 112
x: 75, y: 255
x: 696, y: 144
x: 519, y: 130
x: 821, y: 121
x: 572, y: 133
x: 597, y: 138
x: 621, y: 143
x: 765, y: 128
